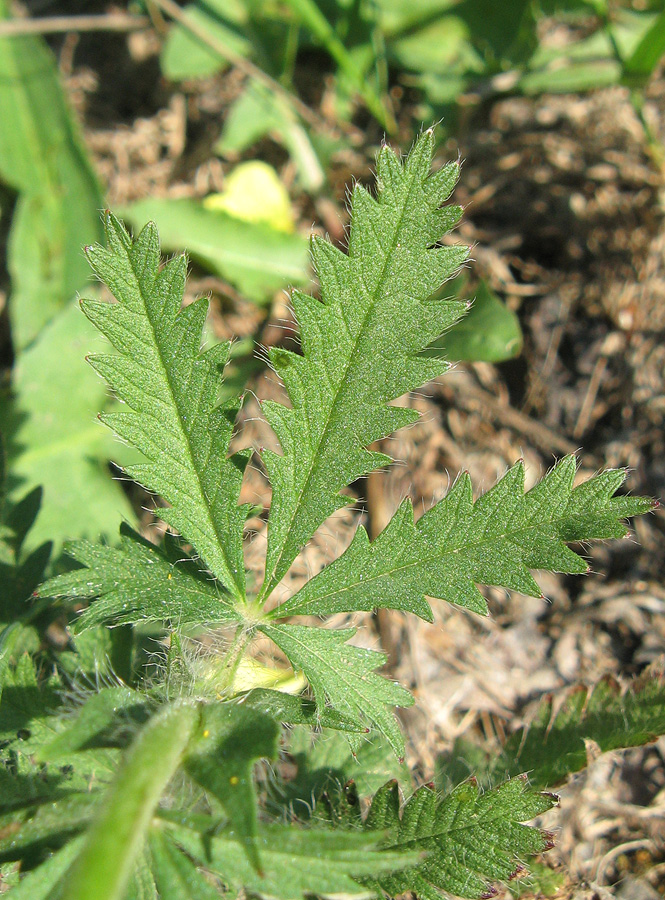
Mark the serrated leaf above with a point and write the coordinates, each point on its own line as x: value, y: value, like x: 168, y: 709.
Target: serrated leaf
x: 176, y: 877
x: 345, y: 677
x: 107, y: 708
x: 40, y: 883
x: 297, y: 711
x: 360, y: 346
x: 138, y: 582
x: 51, y: 444
x: 221, y: 756
x: 472, y: 838
x: 296, y: 861
x: 171, y: 389
x: 552, y: 745
x: 458, y: 544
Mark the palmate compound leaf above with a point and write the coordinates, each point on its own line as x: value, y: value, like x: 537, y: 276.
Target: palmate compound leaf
x: 345, y: 676
x: 137, y: 582
x: 360, y: 346
x: 458, y: 544
x: 170, y: 387
x: 471, y: 838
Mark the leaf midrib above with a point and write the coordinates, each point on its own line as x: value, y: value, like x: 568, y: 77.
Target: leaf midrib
x: 419, y: 562
x: 235, y: 588
x: 323, y: 658
x: 271, y: 582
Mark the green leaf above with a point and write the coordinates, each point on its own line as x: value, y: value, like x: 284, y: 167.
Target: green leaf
x: 255, y: 258
x: 39, y: 884
x: 30, y: 717
x: 295, y: 861
x: 344, y: 676
x: 490, y: 332
x: 46, y: 826
x: 326, y: 762
x: 297, y: 711
x: 312, y: 17
x: 552, y: 745
x: 185, y: 56
x: 360, y: 346
x: 107, y: 708
x: 51, y: 446
x: 458, y: 544
x: 19, y: 573
x: 436, y: 47
x: 640, y: 65
x: 43, y: 158
x: 137, y: 582
x: 221, y: 757
x: 258, y: 112
x: 176, y: 877
x: 472, y: 838
x: 170, y: 388
x: 104, y: 865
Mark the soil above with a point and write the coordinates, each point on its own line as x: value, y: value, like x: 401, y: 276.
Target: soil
x: 564, y: 209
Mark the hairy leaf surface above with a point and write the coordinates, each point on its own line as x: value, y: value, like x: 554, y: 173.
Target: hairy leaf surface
x: 137, y: 582
x: 344, y: 676
x: 458, y: 544
x: 171, y: 389
x: 552, y: 745
x: 221, y: 757
x: 295, y: 861
x: 473, y: 838
x: 360, y: 346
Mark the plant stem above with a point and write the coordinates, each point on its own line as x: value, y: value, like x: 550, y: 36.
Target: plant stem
x: 62, y: 24
x: 105, y: 863
x: 235, y: 654
x: 239, y: 62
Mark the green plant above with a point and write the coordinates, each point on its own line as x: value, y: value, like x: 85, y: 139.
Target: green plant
x: 146, y: 785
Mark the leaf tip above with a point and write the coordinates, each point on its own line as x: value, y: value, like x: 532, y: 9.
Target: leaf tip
x: 548, y: 840
x: 517, y: 872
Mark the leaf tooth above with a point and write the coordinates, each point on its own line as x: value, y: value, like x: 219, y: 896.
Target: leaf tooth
x: 169, y: 287
x: 419, y: 161
x: 332, y: 267
x: 418, y: 816
x: 117, y: 236
x: 185, y: 334
x: 144, y: 255
x: 440, y: 184
x: 383, y: 813
x: 389, y: 172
